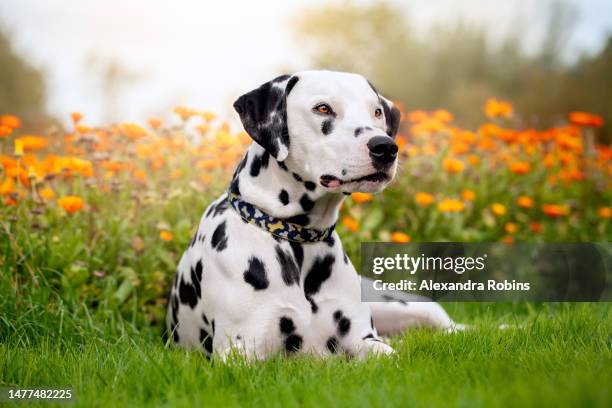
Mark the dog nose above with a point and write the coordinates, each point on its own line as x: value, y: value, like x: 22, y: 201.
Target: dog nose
x: 383, y: 149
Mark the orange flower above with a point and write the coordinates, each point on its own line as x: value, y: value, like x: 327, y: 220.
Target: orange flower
x: 494, y: 108
x: 132, y: 130
x: 605, y: 212
x: 585, y: 119
x: 443, y: 116
x: 468, y: 195
x: 76, y: 117
x: 209, y: 116
x: 361, y: 197
x: 185, y: 113
x: 473, y: 159
x: 350, y: 223
x: 11, y: 121
x: 510, y: 227
x: 83, y: 128
x: 7, y: 186
x: 453, y: 165
x: 46, y: 193
x: 71, y: 204
x: 451, y: 205
x: 155, y: 123
x: 33, y: 142
x: 400, y: 237
x: 520, y: 167
x: 536, y: 227
x: 206, y: 178
x: 423, y: 199
x: 166, y: 235
x: 18, y: 147
x: 555, y: 210
x: 417, y: 116
x: 5, y: 130
x: 524, y: 202
x: 498, y: 209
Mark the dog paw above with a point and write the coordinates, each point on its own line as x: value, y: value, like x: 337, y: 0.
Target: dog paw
x: 374, y: 348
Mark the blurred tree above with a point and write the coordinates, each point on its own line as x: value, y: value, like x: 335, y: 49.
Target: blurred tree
x: 457, y: 66
x: 22, y: 86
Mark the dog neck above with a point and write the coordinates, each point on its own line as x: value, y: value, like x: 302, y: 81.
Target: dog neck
x: 276, y: 189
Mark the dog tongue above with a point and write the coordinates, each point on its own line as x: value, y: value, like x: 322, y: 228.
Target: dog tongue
x: 330, y: 181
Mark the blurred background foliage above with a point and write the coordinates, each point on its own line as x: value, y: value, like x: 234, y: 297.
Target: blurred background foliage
x: 22, y: 86
x: 458, y: 66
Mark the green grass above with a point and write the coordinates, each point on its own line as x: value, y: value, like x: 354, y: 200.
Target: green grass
x: 560, y: 357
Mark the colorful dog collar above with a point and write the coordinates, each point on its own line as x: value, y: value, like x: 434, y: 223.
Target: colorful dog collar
x: 276, y: 226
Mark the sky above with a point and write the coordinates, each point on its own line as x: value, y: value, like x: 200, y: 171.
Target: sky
x: 204, y: 54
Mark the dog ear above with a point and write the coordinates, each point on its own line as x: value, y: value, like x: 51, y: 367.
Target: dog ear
x: 392, y: 116
x: 263, y: 113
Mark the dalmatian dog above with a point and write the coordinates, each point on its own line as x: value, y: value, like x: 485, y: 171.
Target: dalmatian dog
x: 266, y: 271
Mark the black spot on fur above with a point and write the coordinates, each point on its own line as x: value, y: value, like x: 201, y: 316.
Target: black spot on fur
x: 206, y: 340
x: 310, y: 186
x: 265, y: 159
x: 313, y: 306
x: 371, y: 337
x: 174, y: 308
x: 255, y: 275
x: 194, y: 239
x: 286, y: 325
x: 358, y: 131
x: 234, y: 188
x: 282, y: 166
x: 289, y: 270
x: 212, y: 324
x: 255, y: 166
x: 344, y: 325
x: 205, y: 319
x: 372, y: 322
x: 188, y: 294
x: 319, y: 272
x: 297, y: 177
x: 337, y: 315
x: 332, y: 345
x: 327, y: 126
x: 293, y: 343
x: 219, y: 238
x: 345, y: 259
x: 220, y: 207
x: 306, y: 202
x: 300, y: 219
x: 330, y: 240
x: 298, y: 252
x: 284, y: 197
x: 196, y: 278
x: 346, y: 193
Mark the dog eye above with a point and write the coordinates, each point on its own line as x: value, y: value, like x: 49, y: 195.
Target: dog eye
x: 323, y: 108
x: 378, y: 112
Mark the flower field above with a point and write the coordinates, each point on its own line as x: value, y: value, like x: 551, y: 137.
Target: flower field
x: 102, y: 214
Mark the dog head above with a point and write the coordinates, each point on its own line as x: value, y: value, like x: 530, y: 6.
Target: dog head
x: 333, y: 127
